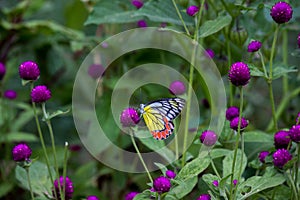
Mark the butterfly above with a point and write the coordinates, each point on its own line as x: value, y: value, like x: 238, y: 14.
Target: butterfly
x: 158, y: 116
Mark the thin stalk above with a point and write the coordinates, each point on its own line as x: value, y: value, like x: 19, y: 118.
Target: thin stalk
x: 48, y: 122
x: 285, y: 82
x: 29, y: 182
x: 272, y: 105
x: 65, y: 165
x: 181, y: 19
x: 293, y: 186
x: 140, y: 156
x: 237, y: 145
x: 297, y: 168
x: 214, y: 167
x: 263, y: 64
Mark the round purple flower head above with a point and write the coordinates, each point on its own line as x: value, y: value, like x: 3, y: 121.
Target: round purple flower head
x: 2, y: 70
x: 281, y: 157
x: 262, y: 155
x: 10, y: 94
x: 215, y: 183
x: 130, y: 195
x: 96, y: 71
x: 162, y: 184
x: 68, y: 187
x: 170, y: 174
x: 282, y: 139
x: 239, y: 74
x: 29, y: 70
x: 142, y: 24
x: 254, y: 46
x: 298, y: 40
x: 40, y: 94
x: 235, y: 182
x: 210, y: 53
x: 232, y: 112
x: 208, y: 138
x: 21, y: 152
x: 235, y: 122
x: 129, y: 117
x: 204, y: 197
x: 295, y: 133
x: 177, y: 88
x: 137, y: 3
x: 92, y: 197
x: 192, y: 10
x: 281, y: 12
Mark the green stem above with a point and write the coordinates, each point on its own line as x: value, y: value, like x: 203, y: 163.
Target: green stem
x: 285, y: 82
x: 273, y: 52
x: 293, y: 186
x: 65, y: 165
x: 181, y: 19
x: 237, y: 146
x: 263, y: 64
x: 213, y: 166
x: 272, y: 105
x: 296, y: 167
x: 140, y: 156
x: 29, y: 182
x: 48, y: 122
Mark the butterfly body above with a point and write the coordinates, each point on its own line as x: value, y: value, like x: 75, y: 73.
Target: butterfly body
x: 158, y: 116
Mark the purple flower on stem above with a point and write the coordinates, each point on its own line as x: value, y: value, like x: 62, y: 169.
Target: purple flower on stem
x: 170, y: 174
x: 64, y: 183
x: 281, y: 157
x: 92, y: 197
x: 142, y: 24
x: 162, y: 184
x: 232, y: 112
x: 137, y: 3
x: 40, y: 94
x: 204, y: 197
x: 10, y: 94
x: 281, y: 12
x: 129, y: 117
x: 2, y: 70
x: 96, y: 71
x: 254, y: 46
x: 234, y: 123
x: 262, y: 155
x: 235, y: 182
x: 29, y: 70
x: 239, y: 74
x: 192, y: 10
x: 282, y: 139
x: 177, y: 88
x: 215, y: 183
x: 21, y: 152
x: 208, y: 138
x: 295, y: 133
x: 130, y: 195
x: 210, y: 53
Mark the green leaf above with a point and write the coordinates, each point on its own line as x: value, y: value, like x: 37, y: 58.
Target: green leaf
x: 163, y: 11
x: 254, y: 71
x: 193, y: 168
x: 145, y: 195
x: 39, y: 177
x: 17, y: 137
x: 60, y: 152
x: 57, y: 113
x: 182, y: 189
x: 228, y: 161
x: 209, y: 178
x: 280, y: 71
x: 117, y: 11
x: 217, y: 153
x: 212, y: 26
x: 5, y: 188
x: 257, y: 136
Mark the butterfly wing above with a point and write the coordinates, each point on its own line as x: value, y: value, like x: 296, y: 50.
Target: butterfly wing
x: 158, y: 116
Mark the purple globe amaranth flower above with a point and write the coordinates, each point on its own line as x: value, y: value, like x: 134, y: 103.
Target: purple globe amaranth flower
x: 208, y: 138
x: 235, y: 122
x: 262, y: 156
x: 10, y: 94
x: 281, y: 12
x: 177, y: 88
x: 215, y: 183
x: 142, y: 24
x: 235, y: 182
x: 137, y: 3
x: 281, y: 157
x: 2, y: 70
x: 170, y: 174
x: 40, y: 94
x: 21, y: 152
x: 96, y: 70
x: 295, y: 133
x: 282, y: 139
x: 232, y: 112
x: 64, y: 183
x: 204, y: 197
x: 210, y: 53
x: 192, y: 10
x: 162, y: 184
x: 92, y: 197
x: 130, y: 195
x: 29, y: 70
x: 129, y: 117
x: 239, y: 74
x: 254, y: 46
x: 298, y: 40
